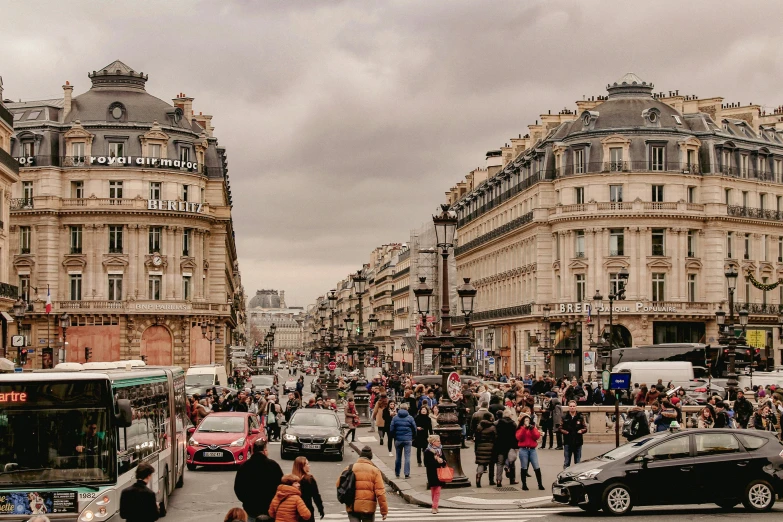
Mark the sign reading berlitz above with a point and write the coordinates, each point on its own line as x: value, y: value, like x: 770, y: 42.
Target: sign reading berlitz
x: 174, y: 206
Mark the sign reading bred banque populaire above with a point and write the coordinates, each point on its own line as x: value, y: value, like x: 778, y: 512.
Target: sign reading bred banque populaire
x: 622, y: 306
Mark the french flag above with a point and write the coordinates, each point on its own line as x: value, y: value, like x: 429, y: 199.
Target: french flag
x: 48, y: 300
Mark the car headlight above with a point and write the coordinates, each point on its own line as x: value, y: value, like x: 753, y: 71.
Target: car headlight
x: 334, y: 439
x: 587, y: 475
x: 193, y: 442
x: 238, y: 442
x: 289, y: 438
x: 87, y: 515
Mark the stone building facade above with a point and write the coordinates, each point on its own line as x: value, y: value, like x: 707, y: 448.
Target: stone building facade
x: 124, y: 215
x: 9, y: 175
x: 269, y: 306
x: 673, y: 188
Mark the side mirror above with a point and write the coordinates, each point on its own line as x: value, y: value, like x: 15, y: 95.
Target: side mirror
x: 124, y: 414
x: 191, y: 430
x: 645, y: 459
x: 255, y: 431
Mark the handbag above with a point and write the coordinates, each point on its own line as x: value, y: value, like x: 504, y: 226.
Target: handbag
x: 446, y: 474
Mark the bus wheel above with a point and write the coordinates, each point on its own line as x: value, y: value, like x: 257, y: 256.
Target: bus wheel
x: 181, y: 480
x: 164, y: 504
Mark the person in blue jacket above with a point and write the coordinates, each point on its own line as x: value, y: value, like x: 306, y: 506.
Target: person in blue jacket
x: 403, y: 430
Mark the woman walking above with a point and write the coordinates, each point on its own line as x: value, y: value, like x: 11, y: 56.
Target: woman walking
x: 308, y: 486
x: 433, y: 459
x: 389, y: 412
x: 527, y: 439
x: 273, y: 414
x: 351, y: 418
x: 377, y: 415
x: 506, y: 448
x: 485, y: 438
x: 423, y: 432
x: 288, y: 506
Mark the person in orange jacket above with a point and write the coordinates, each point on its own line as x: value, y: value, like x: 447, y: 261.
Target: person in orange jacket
x: 288, y: 506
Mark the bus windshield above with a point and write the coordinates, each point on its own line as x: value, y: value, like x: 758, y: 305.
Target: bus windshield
x: 200, y: 379
x: 56, y: 432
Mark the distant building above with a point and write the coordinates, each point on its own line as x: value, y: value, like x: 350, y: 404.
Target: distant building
x: 268, y: 307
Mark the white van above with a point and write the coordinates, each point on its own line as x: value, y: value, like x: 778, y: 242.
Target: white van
x: 203, y: 375
x: 761, y: 379
x: 648, y: 372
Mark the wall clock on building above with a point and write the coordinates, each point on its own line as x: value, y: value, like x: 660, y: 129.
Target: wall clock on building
x: 156, y: 260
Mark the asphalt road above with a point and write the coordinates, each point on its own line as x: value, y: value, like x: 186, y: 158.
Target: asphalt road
x: 209, y: 493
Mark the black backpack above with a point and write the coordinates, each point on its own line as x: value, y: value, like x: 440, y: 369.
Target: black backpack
x: 630, y: 427
x: 346, y: 488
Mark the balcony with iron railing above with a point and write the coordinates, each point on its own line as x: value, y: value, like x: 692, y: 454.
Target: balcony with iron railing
x: 627, y: 208
x: 754, y: 213
x: 9, y: 291
x: 503, y: 196
x: 86, y: 162
x: 496, y: 233
x: 501, y: 313
x: 603, y: 167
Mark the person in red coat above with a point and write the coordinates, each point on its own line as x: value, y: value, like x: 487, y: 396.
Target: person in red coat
x: 527, y: 440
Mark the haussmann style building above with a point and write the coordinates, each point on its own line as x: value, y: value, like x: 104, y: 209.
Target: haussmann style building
x: 123, y: 214
x: 672, y: 188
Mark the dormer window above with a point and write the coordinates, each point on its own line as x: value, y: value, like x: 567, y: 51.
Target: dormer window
x: 586, y: 119
x: 117, y: 112
x: 677, y: 119
x: 184, y: 154
x: 652, y: 117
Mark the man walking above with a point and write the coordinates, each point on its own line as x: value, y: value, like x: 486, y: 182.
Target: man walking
x: 370, y: 490
x: 256, y: 483
x: 137, y: 502
x: 572, y: 428
x: 403, y: 430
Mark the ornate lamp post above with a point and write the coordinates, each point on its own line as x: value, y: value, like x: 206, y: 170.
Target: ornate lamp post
x: 547, y: 347
x: 361, y: 397
x: 466, y: 293
x: 423, y: 294
x: 19, y: 309
x: 65, y: 323
x: 448, y: 429
x: 619, y: 295
x: 728, y: 337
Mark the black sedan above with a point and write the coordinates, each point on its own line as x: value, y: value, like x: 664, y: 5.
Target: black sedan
x: 720, y: 466
x: 313, y: 432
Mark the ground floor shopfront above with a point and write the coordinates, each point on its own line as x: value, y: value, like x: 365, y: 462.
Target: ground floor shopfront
x: 160, y: 338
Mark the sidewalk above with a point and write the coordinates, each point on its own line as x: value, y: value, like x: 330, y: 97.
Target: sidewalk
x: 414, y: 490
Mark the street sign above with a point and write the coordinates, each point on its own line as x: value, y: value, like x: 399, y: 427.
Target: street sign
x: 491, y: 360
x: 620, y: 381
x: 605, y: 379
x: 428, y: 357
x: 18, y: 369
x: 332, y: 366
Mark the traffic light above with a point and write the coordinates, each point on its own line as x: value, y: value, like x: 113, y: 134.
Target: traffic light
x: 22, y: 356
x: 275, y: 354
x: 87, y: 353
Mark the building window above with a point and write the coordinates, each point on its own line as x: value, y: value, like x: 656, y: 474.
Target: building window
x: 115, y: 239
x: 77, y: 189
x: 656, y: 158
x: 115, y: 287
x: 155, y: 190
x: 579, y: 195
x: 203, y: 196
x: 186, y: 288
x: 77, y: 153
x: 155, y: 239
x: 690, y: 158
x: 780, y: 253
x: 184, y: 154
x: 691, y: 243
x: 155, y: 282
x: 28, y: 149
x: 762, y: 201
x: 75, y: 287
x: 692, y: 288
x: 76, y: 239
x: 579, y: 280
x: 762, y: 166
x: 116, y: 149
x: 658, y: 239
x: 115, y: 189
x: 25, y: 235
x: 558, y: 288
x: 187, y: 236
x: 614, y: 282
x: 747, y: 246
x: 727, y: 194
x: 579, y: 161
x: 778, y: 202
x: 764, y: 294
x: 657, y: 193
x: 691, y: 194
x: 778, y: 170
x: 616, y: 193
x: 764, y: 248
x: 616, y: 242
x: 27, y: 192
x: 744, y: 165
x: 24, y: 288
x: 185, y: 192
x: 747, y: 290
x: 557, y: 247
x: 658, y: 287
x: 726, y: 157
x: 745, y: 198
x: 729, y: 244
x: 616, y: 159
x: 579, y: 245
x: 154, y: 150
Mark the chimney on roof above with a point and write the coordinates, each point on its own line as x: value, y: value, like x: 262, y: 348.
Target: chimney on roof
x: 186, y: 104
x: 67, y: 95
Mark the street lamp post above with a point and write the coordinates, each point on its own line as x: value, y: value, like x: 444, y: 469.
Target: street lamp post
x: 361, y: 397
x: 547, y: 348
x: 728, y: 336
x: 448, y: 429
x: 423, y: 294
x: 65, y: 323
x: 617, y: 295
x: 209, y: 333
x: 19, y: 309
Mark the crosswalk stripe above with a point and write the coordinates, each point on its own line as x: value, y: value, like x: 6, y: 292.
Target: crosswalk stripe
x: 515, y: 515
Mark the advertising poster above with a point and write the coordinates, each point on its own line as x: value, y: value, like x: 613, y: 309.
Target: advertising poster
x: 589, y: 362
x: 35, y: 503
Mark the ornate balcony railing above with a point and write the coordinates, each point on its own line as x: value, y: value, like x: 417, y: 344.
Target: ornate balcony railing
x: 500, y: 313
x: 21, y: 203
x: 9, y: 291
x: 758, y: 309
x: 500, y: 231
x: 754, y: 213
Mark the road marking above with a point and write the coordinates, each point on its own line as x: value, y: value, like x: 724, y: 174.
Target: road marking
x: 512, y: 515
x: 367, y: 439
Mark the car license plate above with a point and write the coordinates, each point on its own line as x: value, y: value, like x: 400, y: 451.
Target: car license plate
x: 311, y: 446
x: 557, y: 490
x: 213, y: 453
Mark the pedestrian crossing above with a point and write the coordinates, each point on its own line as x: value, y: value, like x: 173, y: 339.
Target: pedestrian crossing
x: 450, y: 514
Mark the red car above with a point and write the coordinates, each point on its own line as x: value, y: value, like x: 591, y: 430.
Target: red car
x: 223, y: 438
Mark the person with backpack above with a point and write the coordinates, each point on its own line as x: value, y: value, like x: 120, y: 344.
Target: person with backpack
x: 360, y: 487
x: 636, y: 424
x: 403, y: 429
x: 288, y: 506
x: 256, y: 481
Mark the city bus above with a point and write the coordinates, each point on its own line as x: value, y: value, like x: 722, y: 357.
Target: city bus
x: 715, y: 359
x: 73, y: 436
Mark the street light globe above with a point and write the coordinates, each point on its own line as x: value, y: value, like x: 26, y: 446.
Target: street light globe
x: 743, y: 317
x: 731, y: 277
x: 467, y: 295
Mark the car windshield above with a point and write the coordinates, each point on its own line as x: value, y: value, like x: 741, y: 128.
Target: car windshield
x: 263, y: 380
x: 217, y: 424
x: 630, y: 448
x: 303, y: 418
x: 200, y: 379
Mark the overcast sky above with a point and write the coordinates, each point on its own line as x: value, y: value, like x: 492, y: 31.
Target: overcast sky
x: 345, y: 122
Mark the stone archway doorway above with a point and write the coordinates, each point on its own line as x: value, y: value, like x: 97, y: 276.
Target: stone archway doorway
x: 158, y: 346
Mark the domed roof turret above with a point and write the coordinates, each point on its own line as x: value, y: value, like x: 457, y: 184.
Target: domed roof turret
x: 629, y: 85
